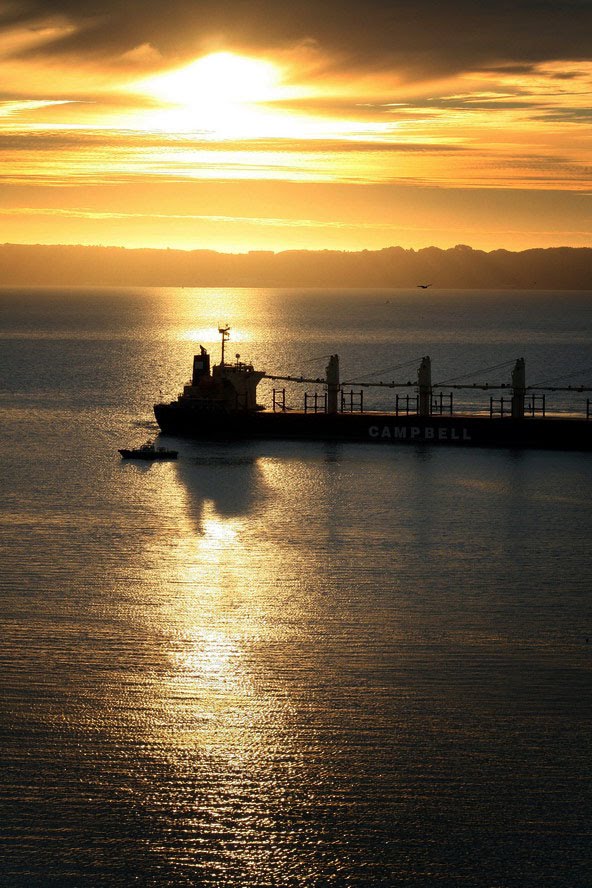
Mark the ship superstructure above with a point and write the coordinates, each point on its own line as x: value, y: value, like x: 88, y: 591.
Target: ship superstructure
x: 226, y: 387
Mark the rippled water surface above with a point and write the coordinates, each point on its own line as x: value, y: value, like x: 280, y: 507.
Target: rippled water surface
x: 282, y: 664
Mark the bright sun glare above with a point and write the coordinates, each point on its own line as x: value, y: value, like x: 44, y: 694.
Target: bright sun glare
x: 219, y: 93
x: 215, y: 79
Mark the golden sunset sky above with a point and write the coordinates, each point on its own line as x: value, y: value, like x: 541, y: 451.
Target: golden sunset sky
x: 248, y: 124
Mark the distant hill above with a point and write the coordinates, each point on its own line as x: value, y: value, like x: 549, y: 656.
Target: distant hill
x: 561, y: 268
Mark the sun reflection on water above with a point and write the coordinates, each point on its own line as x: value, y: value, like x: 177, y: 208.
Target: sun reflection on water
x: 209, y: 335
x: 207, y: 695
x: 243, y: 754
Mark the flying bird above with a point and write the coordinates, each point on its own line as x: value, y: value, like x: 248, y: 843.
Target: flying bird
x: 424, y: 286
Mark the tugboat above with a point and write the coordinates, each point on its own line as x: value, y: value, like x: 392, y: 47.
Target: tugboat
x: 148, y: 451
x: 221, y: 402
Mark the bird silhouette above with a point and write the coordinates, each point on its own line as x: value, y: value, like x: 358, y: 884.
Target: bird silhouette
x: 424, y: 286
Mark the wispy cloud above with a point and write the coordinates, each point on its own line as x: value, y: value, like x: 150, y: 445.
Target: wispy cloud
x: 260, y: 221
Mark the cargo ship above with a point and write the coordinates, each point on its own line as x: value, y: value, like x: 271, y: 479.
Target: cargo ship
x: 220, y: 401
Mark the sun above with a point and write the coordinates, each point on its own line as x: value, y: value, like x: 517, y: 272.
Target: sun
x: 220, y: 93
x: 220, y: 78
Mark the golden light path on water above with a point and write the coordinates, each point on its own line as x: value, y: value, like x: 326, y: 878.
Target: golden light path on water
x: 229, y: 612
x: 211, y: 335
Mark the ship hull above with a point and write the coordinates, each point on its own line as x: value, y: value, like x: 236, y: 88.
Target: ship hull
x: 379, y: 428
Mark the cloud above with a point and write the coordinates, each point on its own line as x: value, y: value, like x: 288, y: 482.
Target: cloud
x: 30, y: 142
x: 274, y: 221
x: 420, y: 37
x: 566, y: 115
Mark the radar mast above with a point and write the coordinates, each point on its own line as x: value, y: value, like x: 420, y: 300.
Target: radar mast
x: 224, y: 331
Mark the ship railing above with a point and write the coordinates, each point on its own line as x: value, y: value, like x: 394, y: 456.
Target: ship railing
x: 279, y: 400
x: 500, y: 406
x: 352, y: 402
x: 406, y: 405
x: 442, y: 404
x: 315, y: 402
x: 535, y: 404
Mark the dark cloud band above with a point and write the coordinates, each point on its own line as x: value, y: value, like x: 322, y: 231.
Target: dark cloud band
x: 413, y: 35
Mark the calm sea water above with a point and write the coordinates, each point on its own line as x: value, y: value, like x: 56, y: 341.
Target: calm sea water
x: 280, y: 664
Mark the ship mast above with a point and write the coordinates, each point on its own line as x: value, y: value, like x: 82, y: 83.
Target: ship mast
x: 225, y: 333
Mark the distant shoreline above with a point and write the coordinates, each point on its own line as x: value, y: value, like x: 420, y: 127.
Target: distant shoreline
x: 461, y: 267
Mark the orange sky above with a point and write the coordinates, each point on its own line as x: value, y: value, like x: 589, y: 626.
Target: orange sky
x: 185, y: 130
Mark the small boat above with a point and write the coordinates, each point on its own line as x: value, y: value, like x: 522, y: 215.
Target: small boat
x: 149, y: 451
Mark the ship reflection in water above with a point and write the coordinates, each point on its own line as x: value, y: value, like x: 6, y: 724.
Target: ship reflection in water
x: 240, y: 719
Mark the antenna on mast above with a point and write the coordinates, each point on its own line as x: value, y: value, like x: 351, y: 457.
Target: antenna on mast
x: 225, y: 333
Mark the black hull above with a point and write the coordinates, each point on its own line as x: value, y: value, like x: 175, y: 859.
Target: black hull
x: 379, y: 428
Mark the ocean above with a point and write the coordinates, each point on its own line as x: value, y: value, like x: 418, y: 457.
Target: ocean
x: 279, y: 663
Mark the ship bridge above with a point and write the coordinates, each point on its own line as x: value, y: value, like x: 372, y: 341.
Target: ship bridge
x: 229, y: 386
